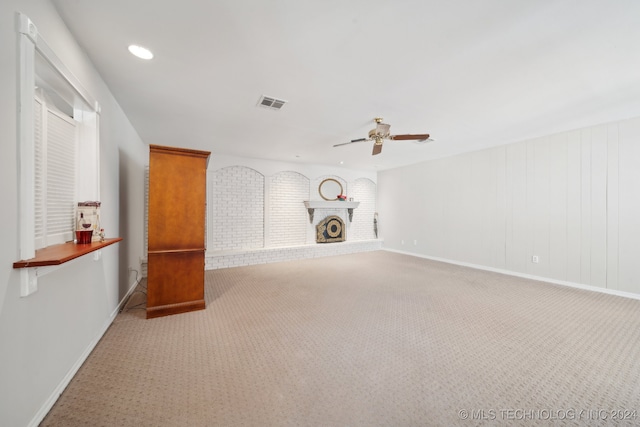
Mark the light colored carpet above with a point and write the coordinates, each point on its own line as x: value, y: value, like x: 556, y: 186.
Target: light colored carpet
x: 366, y: 339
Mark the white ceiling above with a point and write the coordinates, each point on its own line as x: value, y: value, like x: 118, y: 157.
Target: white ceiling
x: 471, y: 73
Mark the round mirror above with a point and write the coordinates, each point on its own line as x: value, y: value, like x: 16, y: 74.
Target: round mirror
x: 329, y: 189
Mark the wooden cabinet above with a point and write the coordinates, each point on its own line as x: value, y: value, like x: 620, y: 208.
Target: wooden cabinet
x: 176, y: 224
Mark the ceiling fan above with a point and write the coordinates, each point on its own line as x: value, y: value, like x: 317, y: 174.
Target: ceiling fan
x: 381, y: 132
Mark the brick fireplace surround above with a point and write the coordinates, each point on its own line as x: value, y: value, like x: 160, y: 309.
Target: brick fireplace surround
x: 255, y: 218
x: 214, y: 261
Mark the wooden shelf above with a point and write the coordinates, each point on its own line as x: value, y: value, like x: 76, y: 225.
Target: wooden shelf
x: 323, y: 204
x: 312, y: 205
x: 59, y: 254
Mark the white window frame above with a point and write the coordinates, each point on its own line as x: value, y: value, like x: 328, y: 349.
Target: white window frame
x: 86, y: 112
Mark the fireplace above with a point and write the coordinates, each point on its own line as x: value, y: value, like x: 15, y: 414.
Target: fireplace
x: 331, y: 229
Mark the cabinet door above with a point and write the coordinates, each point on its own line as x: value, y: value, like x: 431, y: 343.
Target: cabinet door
x: 177, y: 198
x: 175, y: 283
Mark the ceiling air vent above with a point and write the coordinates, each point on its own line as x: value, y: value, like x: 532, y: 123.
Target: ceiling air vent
x: 271, y: 103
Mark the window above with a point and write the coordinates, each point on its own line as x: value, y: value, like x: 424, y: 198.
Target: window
x: 58, y: 144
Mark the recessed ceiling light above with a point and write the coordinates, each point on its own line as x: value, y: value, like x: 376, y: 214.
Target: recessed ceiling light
x: 140, y: 52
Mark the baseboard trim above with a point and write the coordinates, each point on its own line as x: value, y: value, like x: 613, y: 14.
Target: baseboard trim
x: 523, y: 275
x: 169, y: 309
x: 48, y: 404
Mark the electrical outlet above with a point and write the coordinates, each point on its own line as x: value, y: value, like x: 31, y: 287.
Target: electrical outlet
x: 535, y: 259
x: 415, y: 243
x: 402, y: 242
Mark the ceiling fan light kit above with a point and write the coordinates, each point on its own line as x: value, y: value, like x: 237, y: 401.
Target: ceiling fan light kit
x: 382, y: 132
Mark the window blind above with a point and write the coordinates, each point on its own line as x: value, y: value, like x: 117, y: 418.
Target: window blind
x: 39, y: 212
x: 55, y: 176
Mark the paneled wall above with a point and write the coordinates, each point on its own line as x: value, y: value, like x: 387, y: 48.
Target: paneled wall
x: 570, y: 199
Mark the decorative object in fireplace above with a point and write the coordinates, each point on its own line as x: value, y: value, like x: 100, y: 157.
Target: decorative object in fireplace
x: 331, y: 229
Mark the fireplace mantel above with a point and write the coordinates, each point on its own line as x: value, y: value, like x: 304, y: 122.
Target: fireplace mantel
x: 312, y: 205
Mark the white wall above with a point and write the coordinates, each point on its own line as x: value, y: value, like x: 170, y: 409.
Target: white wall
x: 571, y: 199
x: 44, y: 337
x: 257, y: 205
x: 235, y: 208
x: 272, y: 167
x: 287, y: 219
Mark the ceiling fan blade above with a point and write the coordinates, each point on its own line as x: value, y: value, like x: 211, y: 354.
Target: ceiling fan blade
x: 377, y: 149
x: 351, y: 142
x: 419, y: 137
